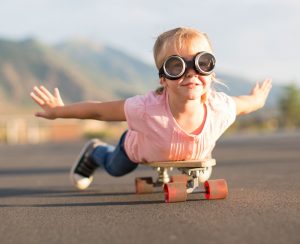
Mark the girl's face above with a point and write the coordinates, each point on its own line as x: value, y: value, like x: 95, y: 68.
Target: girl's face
x: 192, y: 85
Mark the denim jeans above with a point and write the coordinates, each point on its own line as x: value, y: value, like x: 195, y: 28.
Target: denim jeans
x: 113, y: 158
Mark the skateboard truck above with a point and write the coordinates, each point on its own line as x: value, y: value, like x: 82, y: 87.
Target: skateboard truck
x: 163, y: 176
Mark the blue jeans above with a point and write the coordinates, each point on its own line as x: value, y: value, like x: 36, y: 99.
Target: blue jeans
x: 113, y: 158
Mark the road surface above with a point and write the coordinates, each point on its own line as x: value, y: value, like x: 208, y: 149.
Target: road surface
x: 38, y: 204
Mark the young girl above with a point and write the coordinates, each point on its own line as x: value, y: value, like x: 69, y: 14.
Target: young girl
x: 181, y: 120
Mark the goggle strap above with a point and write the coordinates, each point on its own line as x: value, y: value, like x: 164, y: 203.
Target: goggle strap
x: 161, y: 72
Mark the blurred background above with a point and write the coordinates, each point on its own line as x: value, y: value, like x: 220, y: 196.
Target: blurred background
x: 103, y: 50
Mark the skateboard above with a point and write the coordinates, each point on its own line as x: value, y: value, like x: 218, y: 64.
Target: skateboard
x: 194, y: 178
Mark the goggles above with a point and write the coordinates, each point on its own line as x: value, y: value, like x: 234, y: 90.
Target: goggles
x: 175, y: 66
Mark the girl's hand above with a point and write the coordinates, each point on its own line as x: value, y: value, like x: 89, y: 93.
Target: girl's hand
x: 255, y: 100
x: 46, y: 101
x: 261, y: 91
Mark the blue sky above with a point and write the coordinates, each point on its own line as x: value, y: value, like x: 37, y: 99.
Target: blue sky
x: 254, y: 39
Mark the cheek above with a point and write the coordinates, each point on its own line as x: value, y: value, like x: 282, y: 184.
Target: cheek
x: 208, y: 81
x: 208, y: 84
x: 170, y: 83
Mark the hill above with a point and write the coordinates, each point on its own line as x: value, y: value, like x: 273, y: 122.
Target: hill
x: 78, y: 70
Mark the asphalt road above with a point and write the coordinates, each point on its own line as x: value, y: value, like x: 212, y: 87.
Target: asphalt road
x: 38, y: 204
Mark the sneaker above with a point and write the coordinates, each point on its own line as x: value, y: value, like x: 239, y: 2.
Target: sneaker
x: 81, y: 173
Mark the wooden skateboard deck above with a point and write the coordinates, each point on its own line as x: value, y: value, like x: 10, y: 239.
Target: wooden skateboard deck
x: 183, y: 164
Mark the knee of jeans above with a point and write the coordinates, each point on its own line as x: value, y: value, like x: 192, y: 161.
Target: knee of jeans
x: 98, y: 155
x: 118, y: 170
x: 115, y: 173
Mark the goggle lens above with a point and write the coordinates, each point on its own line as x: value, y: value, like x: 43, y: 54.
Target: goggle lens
x: 206, y: 62
x: 174, y: 66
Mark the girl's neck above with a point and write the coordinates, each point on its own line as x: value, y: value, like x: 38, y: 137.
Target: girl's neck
x: 184, y: 108
x: 190, y: 115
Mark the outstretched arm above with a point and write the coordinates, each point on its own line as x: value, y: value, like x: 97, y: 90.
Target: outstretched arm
x: 53, y: 107
x: 255, y: 100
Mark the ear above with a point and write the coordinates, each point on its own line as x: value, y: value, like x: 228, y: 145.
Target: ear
x: 213, y: 75
x: 163, y: 82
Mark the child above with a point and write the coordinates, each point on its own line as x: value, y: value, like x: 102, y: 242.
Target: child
x: 181, y: 120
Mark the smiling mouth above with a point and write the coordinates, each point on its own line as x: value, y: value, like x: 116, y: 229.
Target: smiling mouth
x: 191, y: 84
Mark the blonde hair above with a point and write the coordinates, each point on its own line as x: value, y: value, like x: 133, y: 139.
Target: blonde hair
x: 177, y: 38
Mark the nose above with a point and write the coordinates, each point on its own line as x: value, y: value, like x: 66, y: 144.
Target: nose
x: 190, y: 72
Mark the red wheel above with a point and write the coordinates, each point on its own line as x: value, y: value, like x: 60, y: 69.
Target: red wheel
x: 175, y: 192
x: 179, y: 178
x: 216, y: 189
x: 143, y: 185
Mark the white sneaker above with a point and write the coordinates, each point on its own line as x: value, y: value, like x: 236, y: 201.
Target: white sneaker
x: 81, y: 173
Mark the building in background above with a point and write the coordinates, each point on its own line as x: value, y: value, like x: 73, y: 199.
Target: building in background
x: 28, y: 129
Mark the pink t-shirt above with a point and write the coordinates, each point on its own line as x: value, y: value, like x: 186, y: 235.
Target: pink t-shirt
x: 154, y: 135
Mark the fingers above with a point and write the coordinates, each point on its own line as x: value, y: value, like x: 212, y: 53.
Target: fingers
x: 42, y: 96
x: 41, y: 93
x: 262, y: 88
x: 255, y: 88
x: 268, y: 83
x: 38, y: 100
x: 46, y: 101
x: 56, y: 92
x: 40, y: 114
x: 266, y: 86
x: 46, y: 92
x: 58, y: 97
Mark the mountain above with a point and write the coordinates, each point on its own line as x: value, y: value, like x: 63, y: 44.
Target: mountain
x: 27, y: 63
x: 78, y: 69
x: 111, y: 70
x: 82, y: 70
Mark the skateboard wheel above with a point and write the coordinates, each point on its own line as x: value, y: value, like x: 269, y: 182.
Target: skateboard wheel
x: 215, y: 189
x: 175, y: 192
x: 143, y: 185
x: 179, y: 178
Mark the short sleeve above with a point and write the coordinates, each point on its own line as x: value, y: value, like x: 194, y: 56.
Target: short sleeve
x: 134, y: 110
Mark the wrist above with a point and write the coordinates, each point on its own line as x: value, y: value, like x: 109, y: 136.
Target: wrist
x: 56, y: 112
x: 259, y: 103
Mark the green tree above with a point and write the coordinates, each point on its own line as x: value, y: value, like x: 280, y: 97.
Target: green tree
x: 289, y: 105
